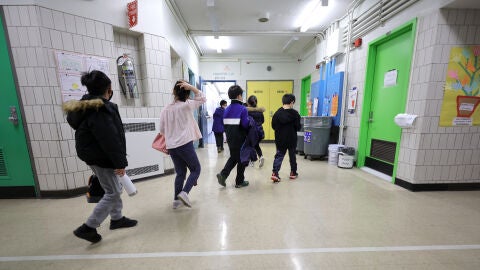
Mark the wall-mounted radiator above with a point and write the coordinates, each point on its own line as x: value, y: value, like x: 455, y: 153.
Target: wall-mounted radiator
x: 143, y: 160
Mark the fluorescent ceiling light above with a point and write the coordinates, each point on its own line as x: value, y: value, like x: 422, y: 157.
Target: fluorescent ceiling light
x: 310, y: 15
x: 218, y: 43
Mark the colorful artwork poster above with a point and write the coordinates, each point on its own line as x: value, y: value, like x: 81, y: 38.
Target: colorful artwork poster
x: 462, y: 88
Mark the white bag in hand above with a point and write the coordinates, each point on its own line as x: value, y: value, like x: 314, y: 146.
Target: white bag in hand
x: 127, y: 184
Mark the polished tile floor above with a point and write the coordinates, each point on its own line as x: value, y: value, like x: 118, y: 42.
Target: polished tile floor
x: 329, y: 218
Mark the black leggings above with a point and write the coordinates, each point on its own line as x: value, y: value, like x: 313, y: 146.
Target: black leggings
x: 219, y: 139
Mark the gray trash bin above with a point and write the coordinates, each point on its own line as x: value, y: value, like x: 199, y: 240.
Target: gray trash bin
x: 300, y: 135
x: 316, y: 136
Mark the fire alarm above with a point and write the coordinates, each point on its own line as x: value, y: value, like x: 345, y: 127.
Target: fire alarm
x: 357, y: 43
x: 317, y: 66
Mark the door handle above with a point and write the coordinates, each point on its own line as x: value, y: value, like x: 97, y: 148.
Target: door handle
x: 13, y: 115
x: 370, y: 117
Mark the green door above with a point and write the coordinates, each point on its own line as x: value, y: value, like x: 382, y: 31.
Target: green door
x: 16, y: 176
x: 387, y: 86
x: 305, y: 95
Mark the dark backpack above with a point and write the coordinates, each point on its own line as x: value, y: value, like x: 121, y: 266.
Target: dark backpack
x: 260, y: 132
x: 95, y: 191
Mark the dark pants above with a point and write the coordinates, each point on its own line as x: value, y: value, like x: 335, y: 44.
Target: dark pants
x: 258, y: 150
x: 184, y: 157
x: 233, y: 160
x: 219, y: 139
x: 277, y: 163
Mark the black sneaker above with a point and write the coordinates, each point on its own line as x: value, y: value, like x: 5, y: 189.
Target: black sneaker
x: 124, y: 222
x: 87, y: 233
x: 243, y: 184
x: 221, y: 179
x: 293, y: 175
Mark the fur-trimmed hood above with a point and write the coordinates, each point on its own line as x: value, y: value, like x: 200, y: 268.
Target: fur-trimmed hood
x: 78, y: 110
x: 82, y: 105
x: 256, y: 109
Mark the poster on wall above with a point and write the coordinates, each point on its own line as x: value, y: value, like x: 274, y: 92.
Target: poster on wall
x: 462, y: 88
x: 69, y: 71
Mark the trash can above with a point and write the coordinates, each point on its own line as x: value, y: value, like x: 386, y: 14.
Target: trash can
x: 300, y: 135
x: 346, y: 157
x: 333, y: 150
x: 316, y: 136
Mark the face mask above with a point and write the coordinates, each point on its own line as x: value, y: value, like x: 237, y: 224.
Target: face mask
x: 110, y: 98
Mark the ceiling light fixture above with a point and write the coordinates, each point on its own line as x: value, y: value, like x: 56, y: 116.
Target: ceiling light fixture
x: 310, y: 15
x: 218, y: 43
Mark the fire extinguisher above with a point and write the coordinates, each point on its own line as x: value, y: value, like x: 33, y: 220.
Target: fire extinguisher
x: 127, y: 77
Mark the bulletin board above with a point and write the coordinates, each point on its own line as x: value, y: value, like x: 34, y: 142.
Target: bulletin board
x: 69, y: 71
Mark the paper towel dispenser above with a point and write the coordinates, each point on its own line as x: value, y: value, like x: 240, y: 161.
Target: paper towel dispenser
x: 405, y: 120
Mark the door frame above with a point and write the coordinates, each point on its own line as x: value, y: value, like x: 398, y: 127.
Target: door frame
x: 19, y: 191
x: 411, y: 27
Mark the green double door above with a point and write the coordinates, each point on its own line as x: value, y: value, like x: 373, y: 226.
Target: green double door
x: 16, y: 176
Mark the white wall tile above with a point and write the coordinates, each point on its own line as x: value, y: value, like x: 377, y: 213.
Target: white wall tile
x: 60, y: 165
x: 65, y: 148
x: 107, y: 47
x: 33, y: 14
x: 70, y: 179
x: 35, y: 148
x: 47, y: 18
x: 13, y: 16
x: 108, y: 32
x: 52, y: 165
x: 80, y: 26
x: 23, y: 36
x: 90, y: 27
x: 97, y: 47
x: 67, y: 40
x: 56, y: 38
x: 71, y: 164
x: 78, y: 44
x: 13, y: 36
x: 24, y: 16
x: 70, y: 24
x: 99, y: 30
x: 46, y: 131
x: 58, y: 20
x: 88, y: 44
x: 41, y: 165
x: 42, y: 182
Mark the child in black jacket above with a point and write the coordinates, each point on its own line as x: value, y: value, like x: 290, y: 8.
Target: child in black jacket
x: 286, y: 123
x: 100, y: 142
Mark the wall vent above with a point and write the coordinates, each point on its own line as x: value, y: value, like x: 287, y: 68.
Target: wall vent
x: 3, y: 166
x: 383, y: 150
x: 143, y: 160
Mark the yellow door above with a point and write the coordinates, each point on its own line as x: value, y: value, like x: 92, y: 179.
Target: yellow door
x: 269, y: 95
x: 261, y: 89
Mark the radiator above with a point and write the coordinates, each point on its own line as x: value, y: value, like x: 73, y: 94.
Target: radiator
x: 143, y: 160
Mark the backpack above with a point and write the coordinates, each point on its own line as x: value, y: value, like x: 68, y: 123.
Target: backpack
x: 95, y: 191
x: 260, y: 132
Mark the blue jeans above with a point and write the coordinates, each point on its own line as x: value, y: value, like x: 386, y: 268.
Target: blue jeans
x: 277, y: 163
x: 184, y: 157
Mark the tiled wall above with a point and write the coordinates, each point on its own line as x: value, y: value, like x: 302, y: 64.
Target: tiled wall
x: 430, y: 153
x: 35, y: 33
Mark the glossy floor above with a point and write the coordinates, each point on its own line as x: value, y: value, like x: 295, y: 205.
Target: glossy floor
x: 328, y: 218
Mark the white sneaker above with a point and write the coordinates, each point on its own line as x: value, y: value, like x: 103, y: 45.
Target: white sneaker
x: 182, y: 196
x: 261, y: 160
x: 176, y: 204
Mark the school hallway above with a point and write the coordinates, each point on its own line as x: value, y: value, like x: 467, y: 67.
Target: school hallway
x: 328, y: 218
